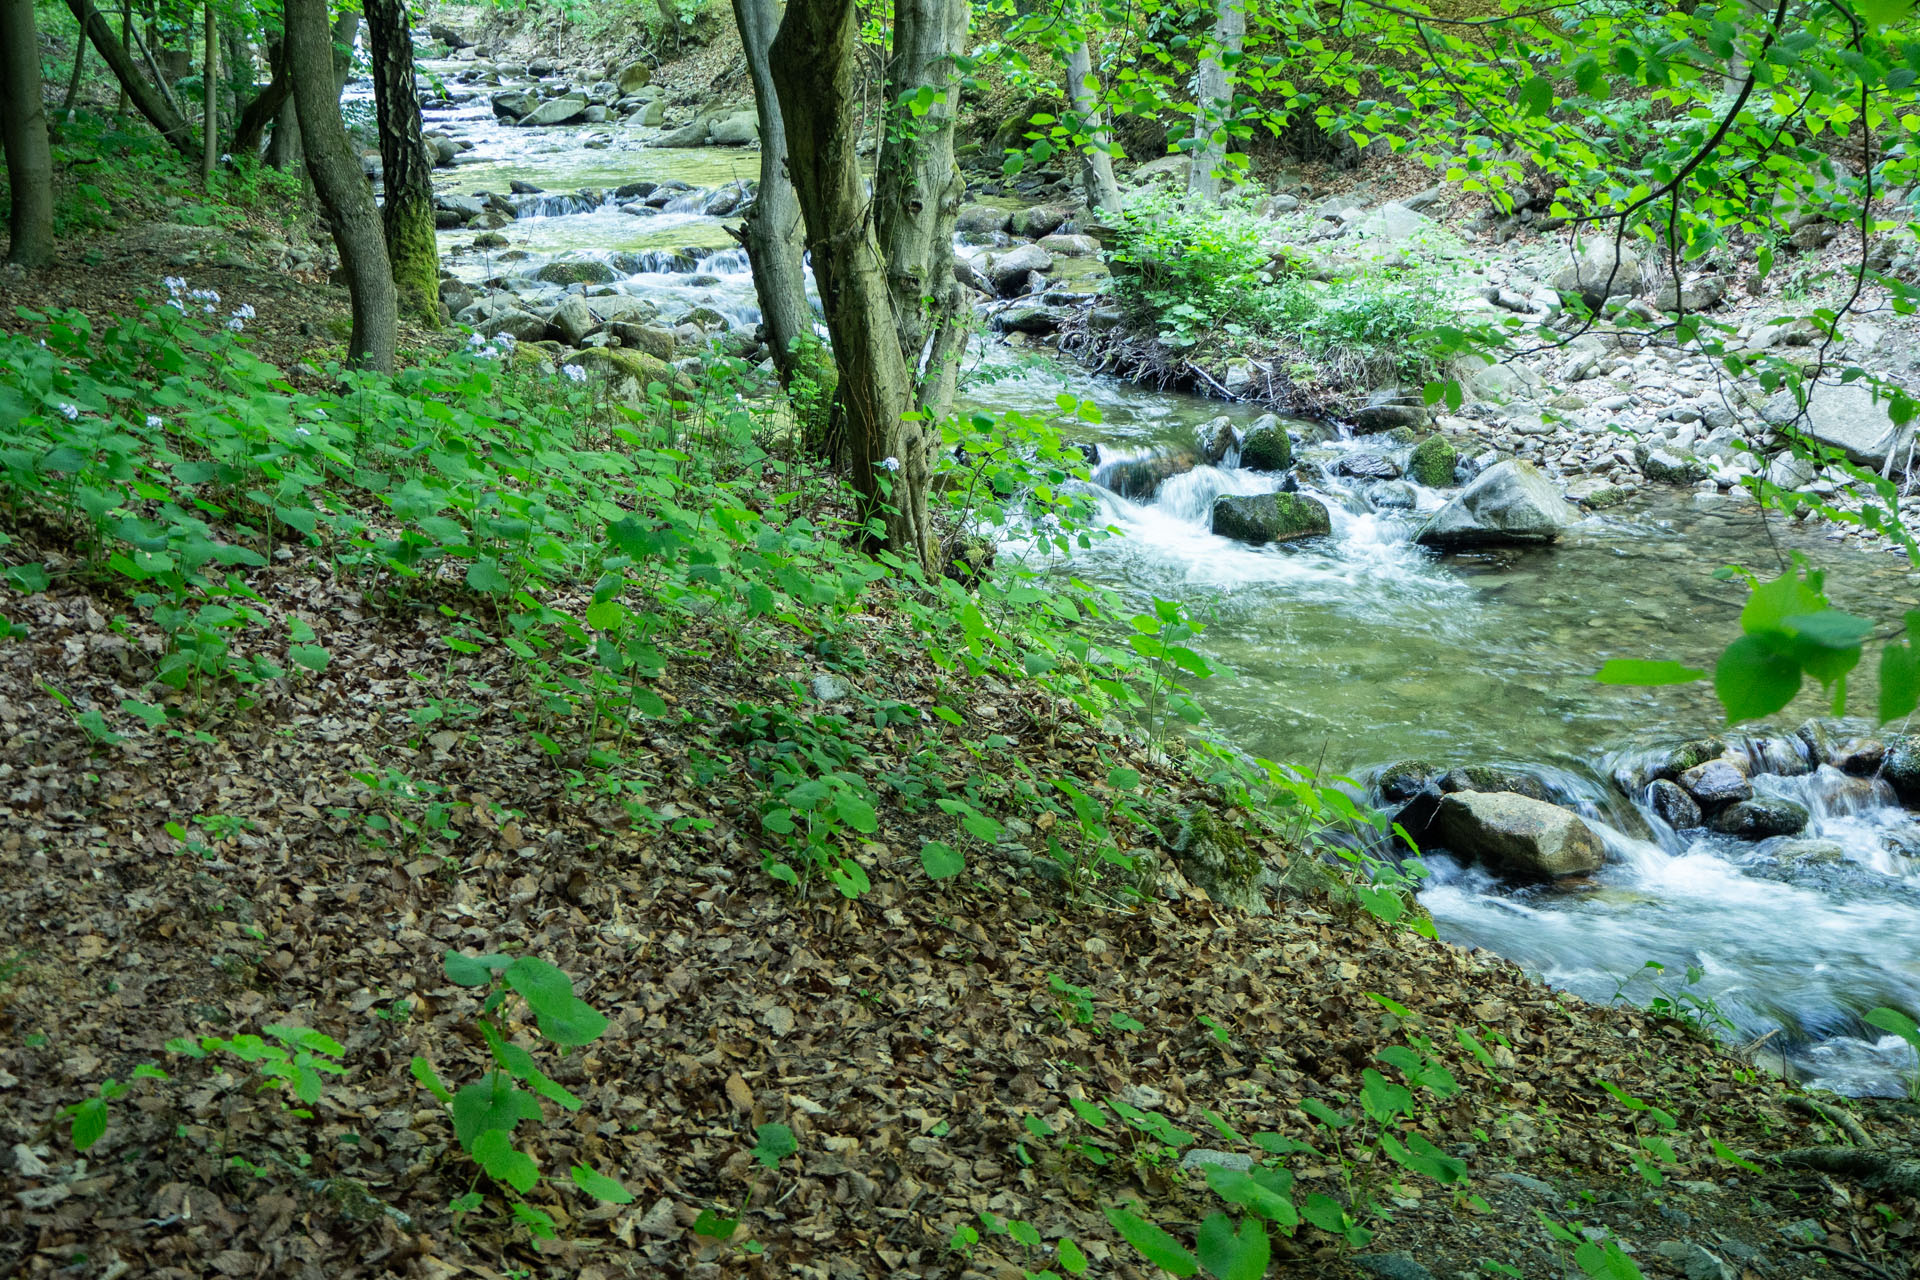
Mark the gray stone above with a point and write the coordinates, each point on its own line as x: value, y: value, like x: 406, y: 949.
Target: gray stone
x: 1598, y: 273
x: 1008, y: 271
x: 1141, y: 477
x: 1270, y: 517
x: 520, y: 324
x: 1813, y: 851
x: 1403, y: 780
x: 1702, y: 1265
x: 1074, y: 246
x: 1492, y: 777
x: 653, y: 115
x: 830, y: 688
x: 1717, y: 782
x: 1368, y: 466
x: 1172, y: 168
x: 1509, y: 503
x: 1266, y: 446
x: 1200, y: 1159
x: 1216, y: 440
x: 1668, y: 465
x: 513, y: 104
x: 740, y: 129
x: 571, y: 321
x: 691, y: 134
x: 562, y: 110
x: 1901, y: 767
x: 1761, y: 818
x: 575, y: 271
x: 981, y: 219
x: 1392, y: 223
x: 1846, y: 417
x: 1036, y: 321
x: 1391, y: 1266
x: 1673, y: 806
x: 1040, y: 220
x: 1386, y: 415
x: 1514, y: 833
x: 1707, y: 291
x: 633, y: 77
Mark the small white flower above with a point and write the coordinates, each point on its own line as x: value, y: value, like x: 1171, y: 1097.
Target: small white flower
x: 889, y: 464
x: 176, y: 304
x: 244, y: 311
x: 153, y: 422
x: 226, y: 159
x: 209, y: 308
x: 574, y: 373
x: 174, y: 284
x: 68, y: 412
x: 319, y: 413
x: 301, y: 431
x: 236, y: 324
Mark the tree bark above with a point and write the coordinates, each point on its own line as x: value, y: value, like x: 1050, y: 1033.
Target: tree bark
x: 1096, y: 161
x: 23, y: 128
x: 407, y: 170
x: 126, y: 41
x: 159, y: 111
x: 266, y: 104
x: 341, y: 186
x: 1213, y: 100
x: 210, y: 98
x: 772, y: 234
x: 917, y: 193
x: 814, y: 67
x: 73, y: 81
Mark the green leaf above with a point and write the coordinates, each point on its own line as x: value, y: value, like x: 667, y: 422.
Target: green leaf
x: 1159, y: 1248
x: 424, y: 1073
x: 1123, y: 779
x: 472, y: 971
x: 1088, y: 1111
x: 1072, y: 1261
x: 153, y: 717
x: 773, y: 1143
x: 1589, y: 76
x: 1323, y: 1113
x: 1125, y: 1022
x: 715, y: 1226
x: 1899, y: 682
x: 1752, y: 680
x: 485, y: 575
x: 1536, y: 99
x: 942, y: 861
x: 855, y: 812
x: 1634, y: 672
x: 311, y: 656
x: 600, y: 1186
x: 1238, y: 1188
x: 89, y: 1122
x: 29, y: 577
x: 493, y: 1150
x: 538, y: 1224
x: 1884, y: 13
x: 1897, y: 1022
x: 492, y: 1102
x: 1233, y: 1255
x: 1324, y: 1212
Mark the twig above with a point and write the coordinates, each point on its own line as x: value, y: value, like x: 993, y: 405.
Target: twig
x: 1842, y: 1255
x: 1832, y: 1115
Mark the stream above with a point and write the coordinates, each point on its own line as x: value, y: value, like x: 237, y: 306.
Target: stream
x: 1359, y: 649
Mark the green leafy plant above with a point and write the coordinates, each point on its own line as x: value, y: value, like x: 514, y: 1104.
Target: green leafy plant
x: 1901, y: 1025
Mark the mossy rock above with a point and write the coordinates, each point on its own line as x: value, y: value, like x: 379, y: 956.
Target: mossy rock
x: 1269, y: 517
x: 527, y: 355
x: 1405, y: 779
x: 630, y: 371
x: 1215, y: 855
x: 1433, y: 462
x: 576, y: 271
x: 1266, y: 446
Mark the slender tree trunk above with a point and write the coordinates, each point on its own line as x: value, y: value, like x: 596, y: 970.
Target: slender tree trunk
x: 1213, y: 100
x: 1096, y: 162
x: 772, y: 235
x: 815, y: 72
x: 283, y: 149
x: 23, y: 127
x: 210, y: 98
x: 407, y: 169
x: 341, y: 185
x: 159, y: 76
x: 917, y: 193
x: 284, y: 152
x: 266, y: 104
x: 73, y: 81
x: 126, y: 40
x: 159, y: 110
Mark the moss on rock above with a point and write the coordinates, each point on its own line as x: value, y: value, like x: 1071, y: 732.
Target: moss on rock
x: 1433, y: 462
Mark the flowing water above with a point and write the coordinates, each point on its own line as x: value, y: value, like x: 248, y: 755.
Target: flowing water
x: 1358, y: 649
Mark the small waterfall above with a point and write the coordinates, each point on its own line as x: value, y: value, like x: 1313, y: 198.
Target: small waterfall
x: 550, y: 205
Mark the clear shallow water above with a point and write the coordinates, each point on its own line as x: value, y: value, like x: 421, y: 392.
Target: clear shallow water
x: 1359, y: 649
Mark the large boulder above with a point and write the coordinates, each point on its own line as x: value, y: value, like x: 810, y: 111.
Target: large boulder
x: 736, y: 129
x: 1597, y: 272
x: 1900, y: 766
x: 1008, y: 271
x: 1433, y: 462
x: 981, y: 219
x: 1266, y: 446
x: 1508, y: 503
x: 1269, y: 517
x: 1040, y: 220
x: 572, y: 321
x: 1386, y: 414
x: 1492, y: 777
x: 515, y: 322
x: 691, y: 134
x: 649, y: 339
x: 1513, y: 833
x: 562, y: 110
x: 1762, y: 818
x: 1140, y: 477
x: 575, y: 271
x: 1668, y: 464
x: 1216, y: 440
x: 448, y: 36
x: 629, y: 372
x: 1845, y: 416
x: 633, y: 77
x: 1672, y: 805
x: 513, y: 104
x: 1717, y: 782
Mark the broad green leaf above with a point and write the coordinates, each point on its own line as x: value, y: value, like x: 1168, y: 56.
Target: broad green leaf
x: 772, y: 1144
x: 538, y: 1224
x: 542, y: 985
x: 1323, y: 1113
x: 1897, y: 1022
x: 1634, y: 672
x: 1753, y: 681
x: 942, y: 861
x: 1536, y: 99
x: 472, y: 971
x: 430, y: 1081
x: 1072, y: 1261
x: 89, y: 1122
x: 485, y: 575
x: 1233, y: 1255
x: 1899, y: 682
x: 311, y: 656
x: 1159, y: 1248
x: 1238, y: 1188
x: 492, y: 1102
x: 856, y: 813
x: 493, y: 1150
x: 600, y: 1186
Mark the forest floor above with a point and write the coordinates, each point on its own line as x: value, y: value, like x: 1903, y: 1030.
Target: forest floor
x: 308, y: 853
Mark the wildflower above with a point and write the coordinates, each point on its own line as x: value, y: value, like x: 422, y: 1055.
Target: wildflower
x: 176, y: 304
x: 889, y: 464
x: 226, y: 159
x: 174, y: 284
x: 574, y: 373
x: 244, y: 311
x: 68, y: 412
x: 236, y: 323
x: 153, y: 422
x: 301, y: 431
x: 208, y: 308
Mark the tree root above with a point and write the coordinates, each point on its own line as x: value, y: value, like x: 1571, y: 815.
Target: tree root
x: 1897, y: 1172
x: 1832, y: 1115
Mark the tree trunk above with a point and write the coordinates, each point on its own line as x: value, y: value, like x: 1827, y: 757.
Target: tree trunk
x: 73, y: 81
x: 815, y: 73
x: 1213, y: 100
x: 23, y: 127
x: 341, y: 186
x: 210, y: 99
x: 407, y: 170
x: 772, y: 233
x: 266, y: 104
x: 284, y: 151
x: 1096, y: 162
x: 126, y: 41
x: 917, y: 193
x: 162, y: 114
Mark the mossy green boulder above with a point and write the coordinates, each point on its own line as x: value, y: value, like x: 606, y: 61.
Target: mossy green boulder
x: 1269, y: 517
x: 576, y: 271
x: 1433, y: 462
x: 1266, y: 446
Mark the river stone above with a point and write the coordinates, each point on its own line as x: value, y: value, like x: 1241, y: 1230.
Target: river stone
x: 1515, y: 833
x: 1597, y: 273
x: 1672, y: 805
x: 571, y: 321
x: 490, y: 240
x: 1266, y: 445
x: 650, y: 339
x: 1900, y: 766
x: 1509, y: 502
x: 1037, y: 321
x: 1387, y: 415
x: 448, y: 36
x: 1717, y: 782
x: 1433, y: 462
x: 513, y: 104
x: 981, y: 220
x: 1404, y: 779
x: 1846, y: 417
x: 1216, y: 856
x: 1216, y: 440
x: 1391, y: 1266
x: 1814, y: 851
x: 1140, y: 477
x: 1666, y: 464
x: 462, y: 206
x: 1270, y: 517
x: 1368, y: 466
x: 630, y: 372
x: 523, y: 325
x: 633, y: 77
x: 736, y: 129
x: 1040, y: 220
x: 562, y: 110
x: 1493, y: 777
x: 691, y: 134
x: 575, y: 271
x: 653, y: 115
x: 1071, y: 246
x: 1009, y: 271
